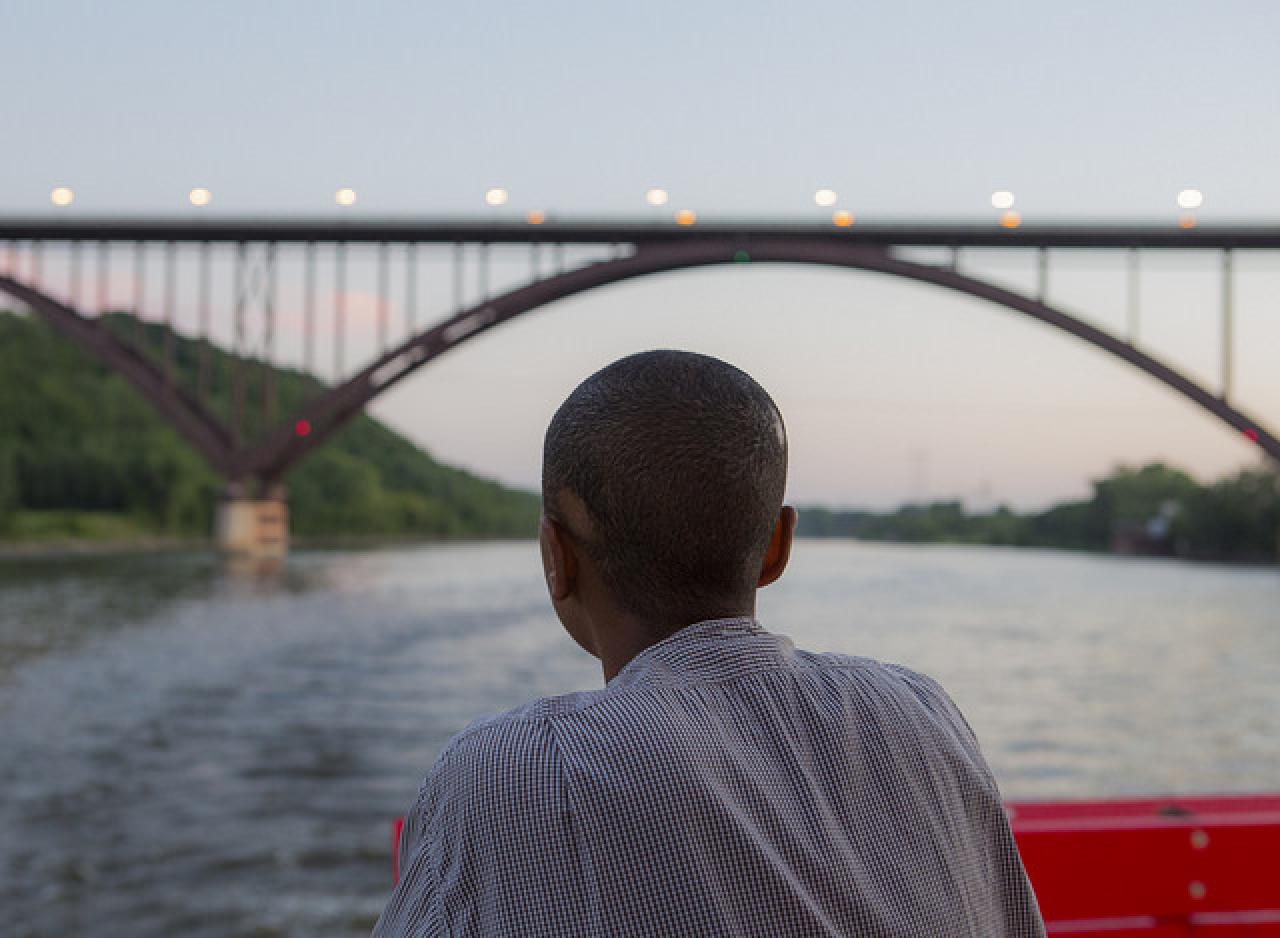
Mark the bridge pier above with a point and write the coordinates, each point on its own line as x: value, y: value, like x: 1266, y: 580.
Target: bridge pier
x: 252, y: 527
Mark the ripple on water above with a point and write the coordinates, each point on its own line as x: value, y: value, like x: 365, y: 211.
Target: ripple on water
x: 184, y: 753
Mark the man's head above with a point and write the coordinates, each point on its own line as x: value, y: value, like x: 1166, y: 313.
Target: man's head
x: 667, y: 469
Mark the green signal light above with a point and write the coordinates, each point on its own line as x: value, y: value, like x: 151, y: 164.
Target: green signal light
x: 741, y: 257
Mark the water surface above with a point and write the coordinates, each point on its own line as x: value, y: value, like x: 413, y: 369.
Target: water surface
x: 185, y: 752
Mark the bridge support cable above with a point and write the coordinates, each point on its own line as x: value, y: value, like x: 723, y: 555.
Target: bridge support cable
x: 1042, y: 274
x: 204, y: 284
x: 238, y: 343
x: 339, y: 308
x: 384, y: 296
x: 1134, y: 260
x: 309, y: 307
x: 104, y: 275
x: 170, y: 300
x: 269, y: 337
x: 139, y: 293
x: 1228, y: 326
x: 457, y: 277
x: 74, y: 292
x: 411, y: 252
x: 37, y: 264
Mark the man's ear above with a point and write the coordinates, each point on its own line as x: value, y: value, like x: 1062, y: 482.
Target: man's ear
x: 559, y: 562
x: 779, y: 552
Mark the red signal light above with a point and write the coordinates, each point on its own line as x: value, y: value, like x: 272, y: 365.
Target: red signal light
x: 1252, y: 434
x: 302, y: 427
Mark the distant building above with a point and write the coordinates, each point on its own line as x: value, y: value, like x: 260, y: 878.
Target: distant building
x: 1150, y: 538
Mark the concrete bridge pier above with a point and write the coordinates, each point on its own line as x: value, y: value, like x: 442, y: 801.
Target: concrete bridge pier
x: 252, y: 525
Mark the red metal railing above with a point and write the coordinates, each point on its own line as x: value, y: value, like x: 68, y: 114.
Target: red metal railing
x: 1203, y: 866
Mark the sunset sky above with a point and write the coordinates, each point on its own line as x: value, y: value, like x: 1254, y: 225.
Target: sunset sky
x: 892, y: 391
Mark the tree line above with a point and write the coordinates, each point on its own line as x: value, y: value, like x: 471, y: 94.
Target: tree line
x: 1154, y: 509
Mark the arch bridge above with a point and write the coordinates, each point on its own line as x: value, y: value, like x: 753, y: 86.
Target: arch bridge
x: 72, y: 273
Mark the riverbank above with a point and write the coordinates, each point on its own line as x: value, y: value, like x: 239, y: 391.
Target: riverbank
x: 56, y: 534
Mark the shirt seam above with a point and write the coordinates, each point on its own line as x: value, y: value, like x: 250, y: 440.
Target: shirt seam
x: 594, y: 901
x: 536, y: 718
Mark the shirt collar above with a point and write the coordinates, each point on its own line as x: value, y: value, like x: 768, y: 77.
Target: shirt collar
x: 691, y: 646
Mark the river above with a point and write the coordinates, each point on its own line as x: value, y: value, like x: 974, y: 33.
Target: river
x: 187, y: 752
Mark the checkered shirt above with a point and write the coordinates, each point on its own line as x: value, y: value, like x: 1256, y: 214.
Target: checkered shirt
x: 724, y: 783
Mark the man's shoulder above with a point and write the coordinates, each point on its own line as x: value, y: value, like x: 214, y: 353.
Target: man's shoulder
x: 872, y: 670
x: 519, y: 731
x: 538, y: 711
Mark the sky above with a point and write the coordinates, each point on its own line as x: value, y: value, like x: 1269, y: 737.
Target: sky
x: 892, y: 391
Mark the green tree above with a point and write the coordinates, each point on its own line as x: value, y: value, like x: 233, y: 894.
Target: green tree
x: 1236, y: 518
x: 78, y: 438
x: 10, y: 496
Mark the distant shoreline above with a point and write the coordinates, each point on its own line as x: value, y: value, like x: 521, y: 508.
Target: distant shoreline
x: 67, y: 547
x: 71, y: 548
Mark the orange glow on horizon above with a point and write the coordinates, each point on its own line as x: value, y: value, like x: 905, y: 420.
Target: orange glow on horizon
x: 1010, y: 219
x: 842, y: 218
x: 1186, y: 221
x: 685, y: 217
x: 536, y: 217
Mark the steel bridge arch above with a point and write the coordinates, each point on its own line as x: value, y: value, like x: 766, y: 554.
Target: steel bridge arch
x: 194, y: 422
x: 283, y: 448
x: 279, y: 449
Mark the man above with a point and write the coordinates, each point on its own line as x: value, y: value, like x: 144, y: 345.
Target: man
x: 722, y: 782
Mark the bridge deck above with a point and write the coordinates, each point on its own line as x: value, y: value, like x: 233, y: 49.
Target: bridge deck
x: 1067, y: 234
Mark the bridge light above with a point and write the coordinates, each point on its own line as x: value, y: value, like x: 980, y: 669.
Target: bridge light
x: 656, y: 196
x: 842, y: 218
x: 536, y: 217
x: 1010, y: 219
x: 1002, y: 199
x: 62, y: 196
x: 1190, y: 198
x: 345, y: 197
x: 825, y: 197
x: 495, y: 196
x: 1186, y: 220
x: 200, y: 196
x: 685, y: 217
x: 302, y: 428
